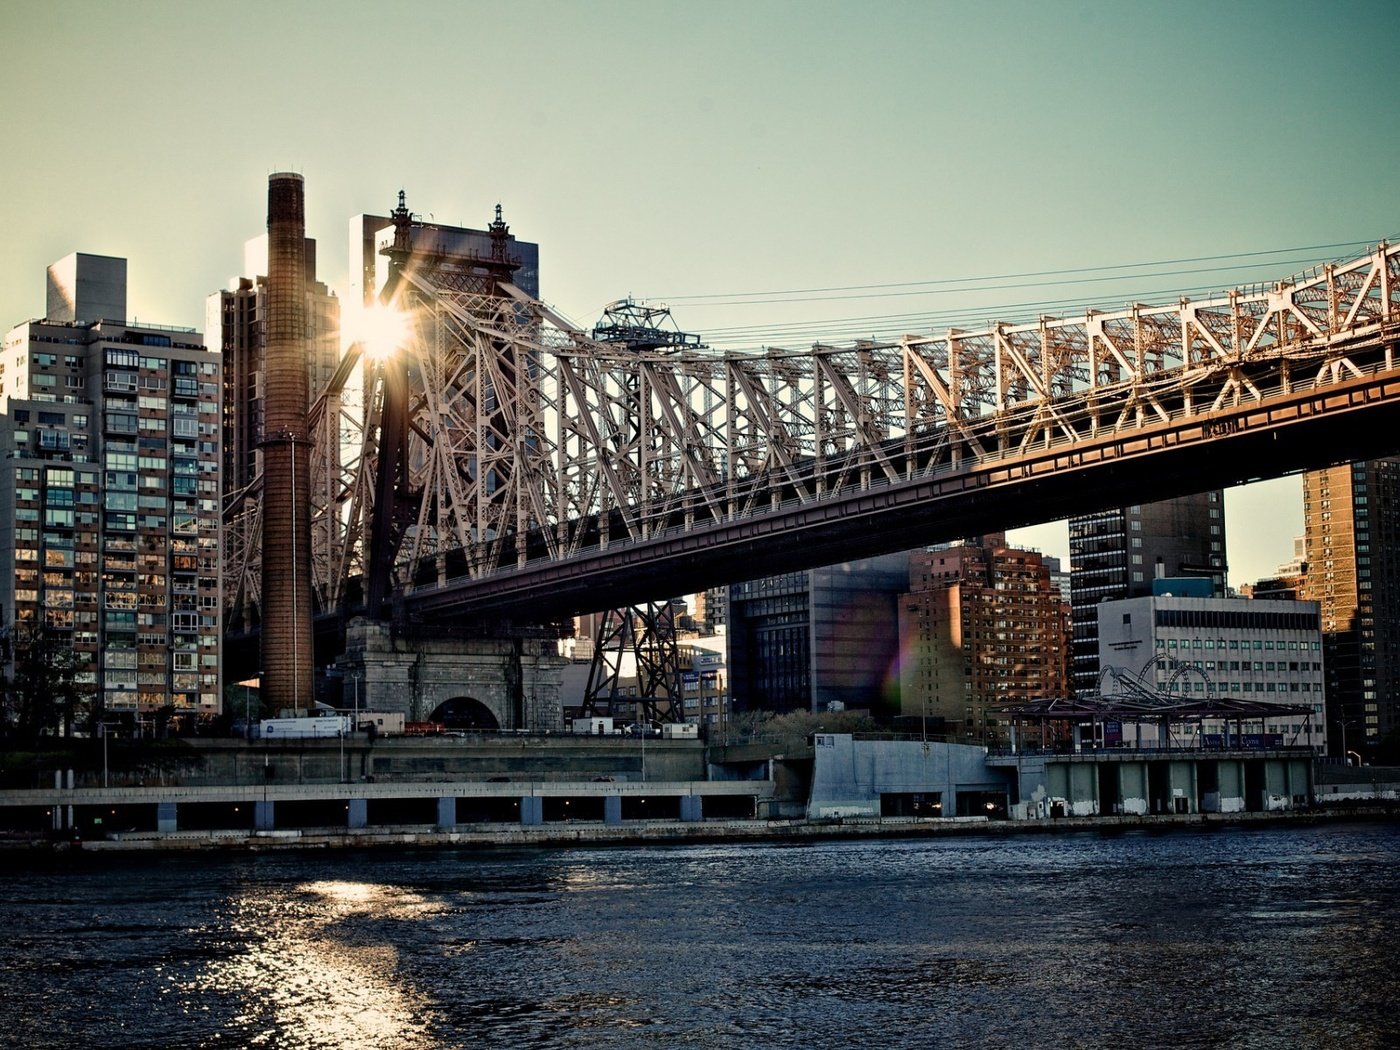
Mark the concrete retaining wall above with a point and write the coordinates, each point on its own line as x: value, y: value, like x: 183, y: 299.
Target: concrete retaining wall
x: 200, y: 761
x: 849, y: 776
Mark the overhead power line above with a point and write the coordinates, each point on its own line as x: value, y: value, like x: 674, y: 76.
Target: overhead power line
x: 885, y: 326
x: 960, y: 283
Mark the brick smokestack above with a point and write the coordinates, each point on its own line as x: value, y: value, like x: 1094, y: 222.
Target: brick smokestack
x: 287, y: 658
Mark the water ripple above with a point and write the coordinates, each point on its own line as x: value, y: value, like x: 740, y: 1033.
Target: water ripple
x: 1238, y: 938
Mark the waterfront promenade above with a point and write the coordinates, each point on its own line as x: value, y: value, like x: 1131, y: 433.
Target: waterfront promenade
x: 556, y: 791
x: 568, y: 833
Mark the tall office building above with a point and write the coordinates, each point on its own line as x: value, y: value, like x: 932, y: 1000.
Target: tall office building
x: 1059, y: 578
x: 237, y: 316
x: 1351, y: 523
x: 804, y: 640
x: 984, y: 625
x: 1117, y: 553
x: 109, y: 495
x: 716, y: 609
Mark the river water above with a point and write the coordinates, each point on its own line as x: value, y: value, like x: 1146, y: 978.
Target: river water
x: 1258, y: 938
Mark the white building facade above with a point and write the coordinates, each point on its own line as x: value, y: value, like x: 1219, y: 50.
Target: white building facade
x: 1192, y: 649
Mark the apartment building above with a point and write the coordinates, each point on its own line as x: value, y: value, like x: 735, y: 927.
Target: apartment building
x: 984, y: 625
x: 109, y: 496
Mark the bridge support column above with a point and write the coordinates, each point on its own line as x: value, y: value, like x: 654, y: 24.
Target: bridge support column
x: 1208, y: 785
x: 531, y: 810
x: 263, y: 813
x: 1300, y: 778
x: 357, y: 814
x: 446, y: 812
x: 612, y: 809
x: 1083, y: 794
x: 692, y: 808
x: 1132, y: 788
x: 165, y: 816
x: 1181, y: 787
x: 1231, y: 774
x: 62, y: 815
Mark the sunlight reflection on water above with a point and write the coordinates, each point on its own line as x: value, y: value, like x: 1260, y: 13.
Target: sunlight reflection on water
x: 1264, y: 939
x: 299, y: 973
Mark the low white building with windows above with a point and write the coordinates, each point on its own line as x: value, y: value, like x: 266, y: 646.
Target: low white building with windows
x: 1187, y: 649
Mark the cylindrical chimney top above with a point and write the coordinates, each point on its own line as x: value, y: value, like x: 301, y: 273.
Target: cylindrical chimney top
x: 286, y: 196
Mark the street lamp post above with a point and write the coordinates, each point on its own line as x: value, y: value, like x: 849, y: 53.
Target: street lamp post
x: 1343, y: 723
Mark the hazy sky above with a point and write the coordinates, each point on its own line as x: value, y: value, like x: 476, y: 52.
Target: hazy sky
x: 704, y: 153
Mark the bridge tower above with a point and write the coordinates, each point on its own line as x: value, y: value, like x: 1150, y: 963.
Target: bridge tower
x: 645, y: 636
x: 506, y: 673
x: 645, y: 633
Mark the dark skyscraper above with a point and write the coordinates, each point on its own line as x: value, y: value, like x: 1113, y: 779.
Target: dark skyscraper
x: 803, y: 640
x: 1117, y: 554
x: 237, y: 317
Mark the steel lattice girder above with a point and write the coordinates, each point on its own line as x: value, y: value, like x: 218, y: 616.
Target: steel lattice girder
x: 645, y: 637
x: 527, y: 440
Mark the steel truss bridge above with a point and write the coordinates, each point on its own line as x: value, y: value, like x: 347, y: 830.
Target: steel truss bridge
x: 505, y: 466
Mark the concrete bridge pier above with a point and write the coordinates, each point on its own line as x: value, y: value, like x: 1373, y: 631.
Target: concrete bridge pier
x: 1283, y: 781
x: 1077, y: 784
x: 356, y: 814
x: 263, y: 816
x: 61, y: 816
x: 1221, y: 786
x: 1230, y: 777
x: 1179, y: 788
x: 501, y: 683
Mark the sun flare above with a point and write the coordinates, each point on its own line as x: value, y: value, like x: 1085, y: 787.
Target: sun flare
x: 382, y: 329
